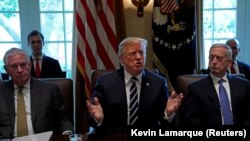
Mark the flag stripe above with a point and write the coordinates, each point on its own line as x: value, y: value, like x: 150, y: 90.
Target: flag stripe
x: 80, y: 27
x: 168, y: 6
x: 96, y: 38
x: 100, y: 50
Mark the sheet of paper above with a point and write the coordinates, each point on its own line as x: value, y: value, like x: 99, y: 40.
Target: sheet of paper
x: 45, y: 136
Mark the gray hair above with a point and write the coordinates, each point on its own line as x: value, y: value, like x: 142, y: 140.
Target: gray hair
x: 129, y: 40
x: 221, y: 45
x: 14, y: 50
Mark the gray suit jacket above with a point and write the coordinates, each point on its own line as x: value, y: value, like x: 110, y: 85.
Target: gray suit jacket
x: 202, y: 107
x: 47, y: 108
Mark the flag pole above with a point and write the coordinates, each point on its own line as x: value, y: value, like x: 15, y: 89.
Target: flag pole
x: 199, y: 36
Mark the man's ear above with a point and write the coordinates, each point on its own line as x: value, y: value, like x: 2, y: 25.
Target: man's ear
x: 5, y: 68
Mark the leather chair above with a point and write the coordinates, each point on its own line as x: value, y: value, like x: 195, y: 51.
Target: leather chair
x: 184, y: 80
x: 66, y: 88
x: 5, y: 76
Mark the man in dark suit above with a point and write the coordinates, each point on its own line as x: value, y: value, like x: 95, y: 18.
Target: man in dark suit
x: 110, y: 106
x: 204, y: 104
x: 44, y: 106
x: 239, y: 66
x: 48, y: 67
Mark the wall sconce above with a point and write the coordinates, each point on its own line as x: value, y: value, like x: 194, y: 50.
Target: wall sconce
x: 140, y: 4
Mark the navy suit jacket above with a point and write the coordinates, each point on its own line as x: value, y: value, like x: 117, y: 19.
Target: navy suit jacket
x: 202, y: 107
x: 244, y: 69
x: 111, y: 92
x: 50, y: 68
x: 47, y: 108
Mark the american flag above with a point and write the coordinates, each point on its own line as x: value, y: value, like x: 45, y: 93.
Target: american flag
x: 96, y: 45
x: 168, y: 6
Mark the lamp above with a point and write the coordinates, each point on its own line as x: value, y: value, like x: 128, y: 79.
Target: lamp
x: 140, y: 4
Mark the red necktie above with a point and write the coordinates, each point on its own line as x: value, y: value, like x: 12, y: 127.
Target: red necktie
x: 38, y: 71
x: 233, y: 69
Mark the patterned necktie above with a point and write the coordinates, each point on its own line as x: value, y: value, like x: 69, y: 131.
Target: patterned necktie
x: 22, y: 127
x: 225, y: 105
x: 233, y: 69
x: 38, y: 71
x: 134, y: 103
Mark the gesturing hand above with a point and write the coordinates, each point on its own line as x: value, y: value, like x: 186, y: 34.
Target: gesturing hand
x: 173, y: 102
x: 95, y: 110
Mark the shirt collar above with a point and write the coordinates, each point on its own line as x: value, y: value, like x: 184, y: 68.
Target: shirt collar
x: 40, y: 57
x: 216, y: 79
x: 27, y: 85
x: 128, y: 76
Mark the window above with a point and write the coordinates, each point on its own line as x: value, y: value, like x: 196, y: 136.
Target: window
x: 219, y: 23
x: 10, y: 33
x: 54, y: 18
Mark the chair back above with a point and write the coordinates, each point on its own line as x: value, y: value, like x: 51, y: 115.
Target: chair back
x: 5, y: 76
x: 183, y: 81
x: 66, y: 88
x: 95, y: 74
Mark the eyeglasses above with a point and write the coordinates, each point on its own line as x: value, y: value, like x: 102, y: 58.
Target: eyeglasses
x: 22, y: 65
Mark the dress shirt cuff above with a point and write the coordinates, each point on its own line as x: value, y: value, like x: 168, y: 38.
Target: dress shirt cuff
x: 67, y: 132
x: 99, y: 123
x: 169, y: 118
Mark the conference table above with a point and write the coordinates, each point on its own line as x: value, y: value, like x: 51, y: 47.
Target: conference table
x: 66, y: 137
x: 92, y: 137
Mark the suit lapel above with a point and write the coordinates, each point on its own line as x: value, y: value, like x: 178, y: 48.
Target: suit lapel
x: 44, y: 65
x: 233, y: 91
x: 241, y: 67
x: 34, y: 96
x: 145, y: 90
x: 209, y: 89
x: 9, y: 98
x: 121, y: 90
x: 33, y: 73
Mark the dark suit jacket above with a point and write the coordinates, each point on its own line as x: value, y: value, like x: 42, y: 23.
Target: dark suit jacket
x: 111, y: 92
x: 47, y: 108
x: 202, y: 107
x: 50, y: 68
x: 244, y: 69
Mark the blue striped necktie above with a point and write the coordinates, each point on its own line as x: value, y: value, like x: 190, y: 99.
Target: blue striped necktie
x: 225, y: 105
x: 134, y: 103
